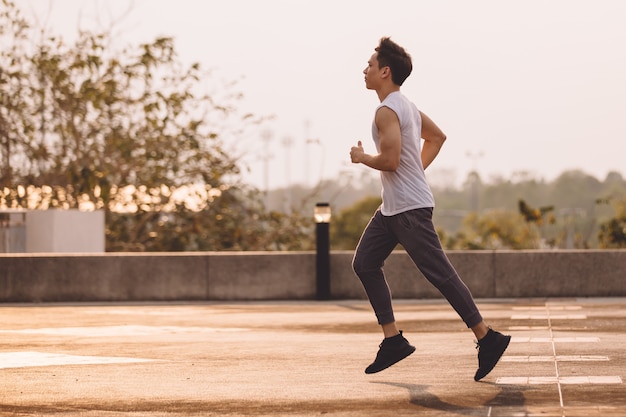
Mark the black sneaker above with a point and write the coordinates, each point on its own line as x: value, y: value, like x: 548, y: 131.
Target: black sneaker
x: 392, y: 350
x: 490, y: 350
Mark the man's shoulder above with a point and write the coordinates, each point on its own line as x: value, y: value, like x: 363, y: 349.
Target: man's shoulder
x: 399, y: 103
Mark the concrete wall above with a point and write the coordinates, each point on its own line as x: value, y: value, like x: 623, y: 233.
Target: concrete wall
x: 291, y: 275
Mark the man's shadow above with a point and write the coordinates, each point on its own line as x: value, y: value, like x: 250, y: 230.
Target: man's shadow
x: 509, y: 396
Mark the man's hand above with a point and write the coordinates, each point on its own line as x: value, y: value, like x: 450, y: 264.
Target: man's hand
x: 356, y: 153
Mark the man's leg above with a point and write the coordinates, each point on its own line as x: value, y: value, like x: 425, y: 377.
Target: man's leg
x: 374, y: 247
x: 417, y: 234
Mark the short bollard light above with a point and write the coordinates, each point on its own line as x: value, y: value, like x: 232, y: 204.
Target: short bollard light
x: 322, y: 216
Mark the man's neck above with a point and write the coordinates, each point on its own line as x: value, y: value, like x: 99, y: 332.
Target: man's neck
x: 385, y: 91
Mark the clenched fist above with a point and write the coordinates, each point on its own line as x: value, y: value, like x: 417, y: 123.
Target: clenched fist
x: 356, y: 153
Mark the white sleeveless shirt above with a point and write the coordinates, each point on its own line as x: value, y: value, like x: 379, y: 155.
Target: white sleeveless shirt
x: 405, y: 188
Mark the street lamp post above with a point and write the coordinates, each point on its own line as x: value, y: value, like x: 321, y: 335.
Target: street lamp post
x: 322, y: 256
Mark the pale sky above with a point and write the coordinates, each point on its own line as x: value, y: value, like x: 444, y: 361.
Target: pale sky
x: 534, y: 85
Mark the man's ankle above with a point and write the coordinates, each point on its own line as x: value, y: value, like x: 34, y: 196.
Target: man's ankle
x: 390, y: 330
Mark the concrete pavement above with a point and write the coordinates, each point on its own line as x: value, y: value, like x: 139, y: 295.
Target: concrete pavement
x: 567, y: 358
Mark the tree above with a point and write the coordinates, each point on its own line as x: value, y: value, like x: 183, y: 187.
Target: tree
x: 97, y: 117
x: 540, y: 219
x: 612, y: 232
x: 493, y: 229
x: 575, y: 189
x: 15, y: 97
x: 346, y: 228
x: 133, y: 132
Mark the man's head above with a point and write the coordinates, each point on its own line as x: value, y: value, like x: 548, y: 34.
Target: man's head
x: 390, y: 54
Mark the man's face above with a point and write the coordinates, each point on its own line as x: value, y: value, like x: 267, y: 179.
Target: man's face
x: 372, y: 72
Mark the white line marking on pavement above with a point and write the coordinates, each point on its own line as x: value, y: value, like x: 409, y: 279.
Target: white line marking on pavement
x: 528, y: 327
x: 557, y: 379
x: 565, y: 380
x: 128, y: 330
x: 139, y: 311
x: 556, y: 364
x: 543, y: 308
x: 27, y: 359
x: 562, y: 358
x: 552, y: 317
x: 555, y: 340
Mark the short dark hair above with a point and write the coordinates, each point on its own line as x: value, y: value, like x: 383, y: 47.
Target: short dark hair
x: 392, y: 55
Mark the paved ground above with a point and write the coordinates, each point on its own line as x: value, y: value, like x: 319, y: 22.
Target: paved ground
x: 567, y: 358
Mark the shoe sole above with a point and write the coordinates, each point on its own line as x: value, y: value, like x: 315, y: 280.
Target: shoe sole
x: 404, y: 355
x: 504, y: 347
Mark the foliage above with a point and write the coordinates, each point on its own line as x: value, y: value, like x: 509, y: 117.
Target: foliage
x: 347, y: 227
x: 493, y: 229
x: 612, y: 232
x: 565, y: 218
x: 567, y: 215
x: 230, y: 222
x: 85, y: 126
x: 95, y: 118
x: 535, y: 215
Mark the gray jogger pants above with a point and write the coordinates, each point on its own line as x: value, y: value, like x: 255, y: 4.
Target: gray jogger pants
x: 415, y: 231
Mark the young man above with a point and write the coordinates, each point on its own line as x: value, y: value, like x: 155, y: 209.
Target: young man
x: 405, y: 216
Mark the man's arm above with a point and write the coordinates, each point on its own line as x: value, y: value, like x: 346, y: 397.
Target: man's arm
x: 433, y: 140
x: 390, y: 138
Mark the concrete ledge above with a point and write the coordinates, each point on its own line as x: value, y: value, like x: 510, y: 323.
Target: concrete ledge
x: 223, y: 276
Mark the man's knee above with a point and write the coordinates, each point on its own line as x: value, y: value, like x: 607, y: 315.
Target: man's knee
x: 363, y: 266
x: 357, y: 265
